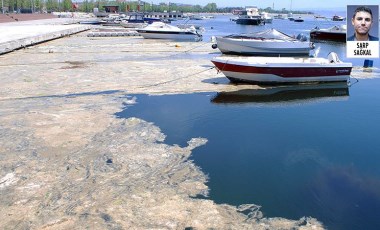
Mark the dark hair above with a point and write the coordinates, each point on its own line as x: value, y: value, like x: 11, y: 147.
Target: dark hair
x: 362, y: 8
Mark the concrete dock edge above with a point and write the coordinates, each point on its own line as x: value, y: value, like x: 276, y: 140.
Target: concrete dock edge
x: 10, y: 46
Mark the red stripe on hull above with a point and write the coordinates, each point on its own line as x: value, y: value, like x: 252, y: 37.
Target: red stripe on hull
x: 285, y: 72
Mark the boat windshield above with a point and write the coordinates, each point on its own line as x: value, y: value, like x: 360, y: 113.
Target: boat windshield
x: 271, y: 34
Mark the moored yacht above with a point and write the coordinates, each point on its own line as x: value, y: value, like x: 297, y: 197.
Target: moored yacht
x: 336, y: 33
x: 265, y: 16
x: 281, y: 70
x: 338, y: 18
x: 250, y: 16
x: 265, y: 43
x: 160, y: 30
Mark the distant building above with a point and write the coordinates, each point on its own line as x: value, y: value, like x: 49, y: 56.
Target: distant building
x: 111, y: 8
x: 237, y: 12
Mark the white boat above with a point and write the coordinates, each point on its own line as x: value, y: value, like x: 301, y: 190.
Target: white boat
x: 134, y: 20
x: 127, y: 24
x: 265, y: 43
x: 265, y: 16
x: 299, y: 19
x: 160, y: 30
x: 290, y: 17
x: 280, y: 70
x: 279, y: 16
x: 336, y: 33
x: 250, y: 16
x: 338, y: 18
x: 200, y: 17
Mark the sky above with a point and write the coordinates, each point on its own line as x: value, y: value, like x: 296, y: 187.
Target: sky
x: 279, y: 4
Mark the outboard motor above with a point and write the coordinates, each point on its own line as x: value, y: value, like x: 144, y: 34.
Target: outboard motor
x: 314, y: 53
x: 333, y: 57
x: 301, y: 37
x: 213, y: 40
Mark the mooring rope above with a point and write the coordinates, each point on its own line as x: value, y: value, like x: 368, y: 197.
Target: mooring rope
x: 350, y: 83
x: 176, y: 79
x: 193, y: 48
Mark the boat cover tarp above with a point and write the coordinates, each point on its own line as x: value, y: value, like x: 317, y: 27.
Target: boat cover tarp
x: 266, y: 34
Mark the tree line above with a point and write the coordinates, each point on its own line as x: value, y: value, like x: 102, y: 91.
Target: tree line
x: 46, y: 6
x: 23, y: 6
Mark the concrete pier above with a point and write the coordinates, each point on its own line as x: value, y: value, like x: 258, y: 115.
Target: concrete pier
x: 19, y: 34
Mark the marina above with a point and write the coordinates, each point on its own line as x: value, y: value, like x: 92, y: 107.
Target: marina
x: 122, y: 132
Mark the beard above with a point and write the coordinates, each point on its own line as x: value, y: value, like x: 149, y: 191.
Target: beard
x: 362, y: 31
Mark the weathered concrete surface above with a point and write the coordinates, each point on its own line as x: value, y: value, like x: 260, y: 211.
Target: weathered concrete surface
x: 17, y: 34
x: 66, y: 162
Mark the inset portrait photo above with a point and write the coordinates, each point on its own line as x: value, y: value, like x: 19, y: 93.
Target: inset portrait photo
x: 362, y: 31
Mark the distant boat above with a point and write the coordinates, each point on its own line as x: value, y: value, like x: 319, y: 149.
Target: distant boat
x: 299, y: 19
x: 266, y: 43
x: 281, y: 70
x: 135, y: 20
x: 250, y: 16
x: 234, y: 19
x: 197, y: 17
x: 338, y: 18
x: 200, y: 17
x: 290, y: 17
x: 265, y: 16
x: 160, y: 30
x: 111, y: 20
x: 279, y: 16
x: 90, y: 22
x: 336, y: 33
x: 319, y: 17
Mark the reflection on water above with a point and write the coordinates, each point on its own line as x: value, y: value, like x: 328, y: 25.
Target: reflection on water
x: 282, y: 94
x: 312, y: 159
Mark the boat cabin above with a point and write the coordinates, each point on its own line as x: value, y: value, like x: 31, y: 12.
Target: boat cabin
x: 251, y: 11
x: 250, y: 16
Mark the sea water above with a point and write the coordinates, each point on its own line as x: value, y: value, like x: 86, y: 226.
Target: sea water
x: 295, y: 150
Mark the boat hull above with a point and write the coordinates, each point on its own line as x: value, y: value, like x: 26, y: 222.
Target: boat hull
x: 169, y: 35
x: 249, y: 21
x: 327, y: 36
x: 90, y: 22
x: 280, y: 73
x: 268, y: 20
x: 262, y: 48
x: 338, y: 18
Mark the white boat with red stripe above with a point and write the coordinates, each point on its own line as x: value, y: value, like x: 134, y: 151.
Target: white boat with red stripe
x: 277, y: 70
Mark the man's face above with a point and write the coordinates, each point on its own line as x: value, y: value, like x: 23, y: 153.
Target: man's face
x: 362, y: 22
